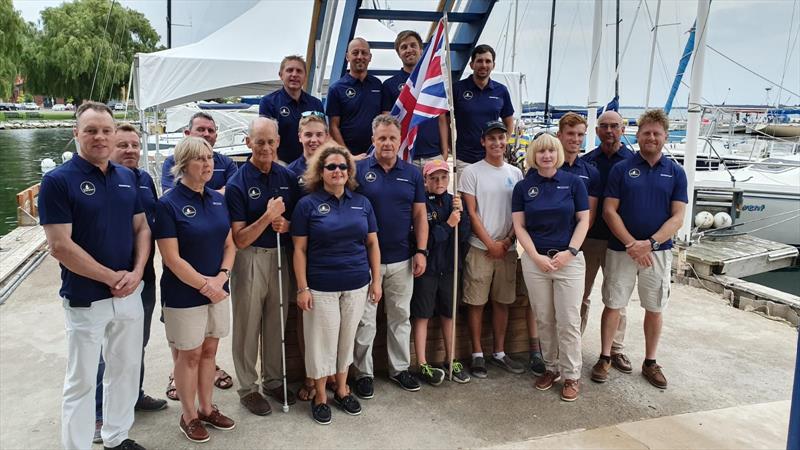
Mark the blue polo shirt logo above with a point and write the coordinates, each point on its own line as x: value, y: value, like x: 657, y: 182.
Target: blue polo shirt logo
x: 324, y: 208
x: 189, y: 211
x: 301, y: 181
x: 350, y: 92
x: 533, y: 192
x: 468, y: 95
x: 254, y: 193
x: 634, y: 173
x: 284, y: 111
x: 370, y: 177
x: 87, y: 188
x: 434, y: 215
x: 400, y: 86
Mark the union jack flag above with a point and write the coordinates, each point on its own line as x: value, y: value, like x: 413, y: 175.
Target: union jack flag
x: 424, y: 96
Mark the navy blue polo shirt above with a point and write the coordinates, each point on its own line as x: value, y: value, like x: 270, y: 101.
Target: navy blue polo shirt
x: 337, y: 228
x: 645, y: 196
x: 287, y: 111
x: 473, y: 108
x: 298, y: 168
x: 587, y: 173
x: 603, y: 164
x: 200, y: 223
x: 224, y: 168
x: 149, y: 198
x: 392, y: 194
x: 248, y: 192
x: 100, y: 208
x: 427, y: 143
x: 356, y: 103
x: 550, y: 205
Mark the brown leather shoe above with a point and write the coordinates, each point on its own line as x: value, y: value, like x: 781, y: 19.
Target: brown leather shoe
x: 546, y: 381
x: 256, y: 404
x: 216, y: 419
x: 277, y: 394
x: 654, y: 375
x: 194, y: 431
x: 570, y: 390
x: 600, y: 371
x: 621, y: 362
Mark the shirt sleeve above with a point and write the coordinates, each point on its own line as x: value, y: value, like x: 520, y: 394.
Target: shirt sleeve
x: 300, y: 218
x: 54, y: 204
x: 420, y: 195
x: 234, y: 198
x: 680, y: 191
x: 613, y: 185
x: 167, y: 180
x: 467, y: 182
x: 334, y: 108
x: 580, y: 195
x: 595, y: 189
x: 372, y: 223
x: 264, y: 109
x: 387, y: 100
x: 165, y: 226
x: 294, y: 196
x: 508, y: 107
x: 517, y: 199
x: 230, y: 168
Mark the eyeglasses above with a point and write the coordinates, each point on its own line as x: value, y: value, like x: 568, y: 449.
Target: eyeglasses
x: 312, y: 113
x: 332, y: 167
x: 605, y: 126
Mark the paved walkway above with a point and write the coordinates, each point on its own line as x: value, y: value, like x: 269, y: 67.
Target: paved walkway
x: 730, y: 375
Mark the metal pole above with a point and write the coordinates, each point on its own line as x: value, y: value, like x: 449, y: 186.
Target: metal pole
x: 169, y: 23
x: 549, y: 67
x: 285, y: 406
x: 594, y: 74
x: 695, y: 112
x: 652, y: 56
x: 616, y: 54
x: 514, y: 39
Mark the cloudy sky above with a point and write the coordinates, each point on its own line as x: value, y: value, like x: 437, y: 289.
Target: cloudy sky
x: 761, y: 35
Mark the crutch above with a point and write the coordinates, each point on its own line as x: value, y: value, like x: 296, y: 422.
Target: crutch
x: 285, y: 406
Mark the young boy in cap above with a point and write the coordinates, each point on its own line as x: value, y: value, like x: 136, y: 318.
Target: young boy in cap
x: 433, y: 291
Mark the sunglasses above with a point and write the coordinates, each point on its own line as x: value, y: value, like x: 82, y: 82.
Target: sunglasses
x: 332, y: 167
x: 312, y: 113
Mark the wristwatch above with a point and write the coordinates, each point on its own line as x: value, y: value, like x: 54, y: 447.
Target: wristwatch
x: 654, y: 244
x: 573, y: 250
x: 421, y: 251
x: 226, y: 272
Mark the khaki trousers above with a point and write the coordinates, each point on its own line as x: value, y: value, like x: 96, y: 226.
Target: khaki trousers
x: 594, y: 251
x: 555, y: 298
x: 329, y: 330
x: 397, y: 280
x: 256, y: 317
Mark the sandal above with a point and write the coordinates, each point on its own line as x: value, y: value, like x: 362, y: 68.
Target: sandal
x: 172, y: 391
x: 222, y: 379
x: 306, y: 392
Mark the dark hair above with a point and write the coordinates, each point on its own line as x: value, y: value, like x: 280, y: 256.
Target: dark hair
x: 403, y: 35
x: 94, y: 106
x: 313, y: 175
x: 203, y: 115
x: 483, y: 48
x: 297, y: 58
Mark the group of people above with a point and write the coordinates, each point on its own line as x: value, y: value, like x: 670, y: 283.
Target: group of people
x: 313, y: 220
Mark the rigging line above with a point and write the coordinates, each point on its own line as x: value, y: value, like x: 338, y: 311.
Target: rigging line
x: 108, y: 76
x: 628, y: 39
x: 119, y: 56
x: 565, y: 51
x: 751, y: 70
x: 97, y: 66
x: 789, y: 51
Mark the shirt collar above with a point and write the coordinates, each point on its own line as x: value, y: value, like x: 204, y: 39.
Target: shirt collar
x: 324, y: 195
x: 540, y: 179
x: 190, y: 194
x: 398, y: 165
x: 639, y: 160
x: 490, y: 85
x: 87, y: 167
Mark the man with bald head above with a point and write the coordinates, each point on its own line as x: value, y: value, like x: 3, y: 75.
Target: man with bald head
x: 354, y: 100
x: 610, y: 128
x: 260, y: 197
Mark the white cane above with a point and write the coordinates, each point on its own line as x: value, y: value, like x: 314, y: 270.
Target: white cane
x: 283, y: 332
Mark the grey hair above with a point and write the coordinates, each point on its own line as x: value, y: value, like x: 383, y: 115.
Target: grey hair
x: 189, y: 148
x: 201, y: 114
x: 254, y: 122
x: 385, y: 119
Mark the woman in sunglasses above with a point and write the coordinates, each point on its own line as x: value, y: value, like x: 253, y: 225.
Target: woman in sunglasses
x: 550, y: 211
x: 336, y: 256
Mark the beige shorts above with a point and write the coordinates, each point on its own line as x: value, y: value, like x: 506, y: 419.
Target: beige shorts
x: 187, y: 328
x: 622, y: 273
x: 486, y: 277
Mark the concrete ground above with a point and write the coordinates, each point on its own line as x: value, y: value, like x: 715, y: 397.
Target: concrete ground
x: 730, y: 375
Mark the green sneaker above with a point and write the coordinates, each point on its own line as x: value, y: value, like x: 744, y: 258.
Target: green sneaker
x: 433, y: 375
x: 459, y: 374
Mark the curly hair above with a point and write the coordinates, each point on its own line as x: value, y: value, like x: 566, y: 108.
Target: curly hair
x: 656, y: 116
x: 313, y: 175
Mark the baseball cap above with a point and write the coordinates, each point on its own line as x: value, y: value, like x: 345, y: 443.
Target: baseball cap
x: 494, y: 125
x: 435, y: 166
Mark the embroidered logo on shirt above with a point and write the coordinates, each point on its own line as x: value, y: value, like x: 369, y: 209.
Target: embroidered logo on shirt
x: 324, y: 208
x: 468, y: 95
x: 666, y: 175
x: 87, y: 188
x: 494, y: 98
x: 284, y: 111
x: 562, y: 187
x: 370, y: 177
x: 350, y: 92
x: 216, y: 203
x: 400, y: 86
x: 124, y: 185
x: 434, y: 215
x: 583, y: 176
x: 301, y: 181
x: 254, y: 193
x: 533, y: 192
x: 189, y: 211
x: 634, y: 173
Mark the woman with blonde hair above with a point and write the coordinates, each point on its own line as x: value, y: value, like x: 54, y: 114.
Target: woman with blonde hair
x: 550, y: 211
x: 337, y: 264
x: 193, y: 233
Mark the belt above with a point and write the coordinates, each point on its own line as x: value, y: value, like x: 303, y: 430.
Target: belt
x: 549, y: 252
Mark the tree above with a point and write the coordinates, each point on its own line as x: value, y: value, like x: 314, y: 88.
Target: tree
x: 12, y: 35
x: 85, y: 49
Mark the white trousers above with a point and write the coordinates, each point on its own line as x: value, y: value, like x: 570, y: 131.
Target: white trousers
x: 115, y: 325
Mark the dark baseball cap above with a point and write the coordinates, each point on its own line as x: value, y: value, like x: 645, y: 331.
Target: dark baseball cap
x: 494, y: 125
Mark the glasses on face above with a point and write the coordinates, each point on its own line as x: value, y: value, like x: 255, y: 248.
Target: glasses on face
x: 608, y: 126
x: 332, y: 167
x: 312, y: 113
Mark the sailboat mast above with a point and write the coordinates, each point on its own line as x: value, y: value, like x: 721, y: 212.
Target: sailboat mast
x: 616, y: 54
x: 549, y: 66
x: 695, y: 112
x: 652, y: 56
x: 594, y: 74
x: 169, y: 23
x: 514, y: 39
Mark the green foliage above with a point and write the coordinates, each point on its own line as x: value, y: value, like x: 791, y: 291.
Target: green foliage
x: 13, y: 31
x: 63, y: 56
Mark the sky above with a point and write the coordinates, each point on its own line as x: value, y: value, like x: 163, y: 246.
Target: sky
x: 761, y: 35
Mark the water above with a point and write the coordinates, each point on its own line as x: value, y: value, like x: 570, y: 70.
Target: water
x: 21, y: 154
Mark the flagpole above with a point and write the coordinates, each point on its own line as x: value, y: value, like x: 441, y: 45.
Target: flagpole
x: 449, y: 89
